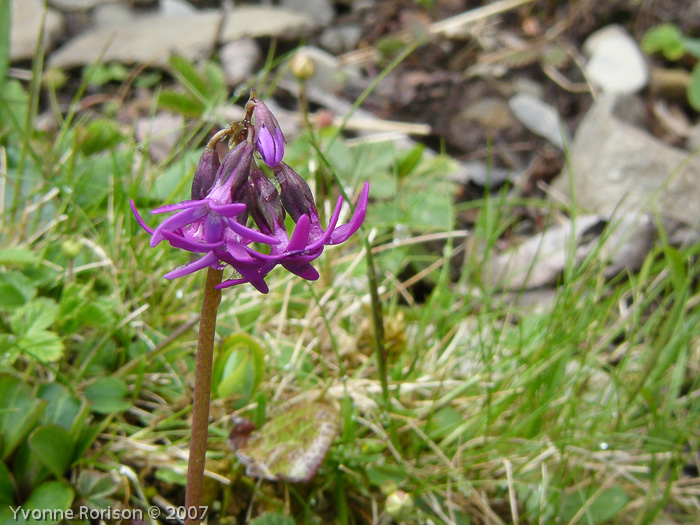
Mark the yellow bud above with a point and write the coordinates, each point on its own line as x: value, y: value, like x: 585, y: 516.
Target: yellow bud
x: 302, y: 66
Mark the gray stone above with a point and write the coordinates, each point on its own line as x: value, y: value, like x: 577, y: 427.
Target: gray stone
x: 176, y: 8
x: 616, y: 63
x: 144, y: 39
x: 75, y: 5
x: 540, y: 118
x: 339, y: 39
x: 112, y: 15
x: 480, y: 174
x: 238, y: 60
x: 320, y: 10
x: 26, y: 24
x: 617, y: 167
x: 490, y: 113
x: 266, y: 21
x: 330, y: 74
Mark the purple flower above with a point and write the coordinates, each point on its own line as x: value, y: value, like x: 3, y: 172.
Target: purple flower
x: 268, y: 135
x: 227, y: 195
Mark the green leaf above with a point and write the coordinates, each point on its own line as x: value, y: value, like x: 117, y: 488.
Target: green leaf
x: 53, y: 495
x: 42, y: 345
x: 172, y: 477
x: 99, y: 135
x: 6, y: 486
x: 601, y: 510
x: 53, y: 446
x: 239, y: 368
x: 408, y: 162
x: 666, y: 39
x: 216, y: 81
x: 95, y: 314
x: 19, y: 411
x: 14, y: 103
x: 272, y: 518
x: 184, y: 103
x: 95, y: 488
x: 692, y: 46
x: 17, y: 256
x: 16, y: 290
x: 101, y: 74
x: 107, y: 395
x: 63, y: 408
x: 34, y: 316
x: 289, y: 447
x: 188, y: 75
x: 678, y: 272
x: 694, y: 88
x: 86, y: 437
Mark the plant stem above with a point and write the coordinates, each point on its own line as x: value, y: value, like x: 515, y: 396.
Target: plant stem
x: 202, y: 395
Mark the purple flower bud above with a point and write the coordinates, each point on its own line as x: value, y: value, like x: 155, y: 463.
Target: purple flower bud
x: 297, y: 198
x: 268, y: 135
x: 205, y: 173
x: 264, y: 204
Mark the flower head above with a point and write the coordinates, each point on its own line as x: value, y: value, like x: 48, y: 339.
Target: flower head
x: 235, y: 205
x: 269, y: 138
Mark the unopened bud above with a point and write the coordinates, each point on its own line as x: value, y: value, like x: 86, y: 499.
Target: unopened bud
x: 296, y: 196
x: 302, y: 66
x: 205, y: 174
x: 399, y: 505
x: 264, y: 203
x: 71, y: 248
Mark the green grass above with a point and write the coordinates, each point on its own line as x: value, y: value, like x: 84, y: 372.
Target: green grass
x: 585, y: 409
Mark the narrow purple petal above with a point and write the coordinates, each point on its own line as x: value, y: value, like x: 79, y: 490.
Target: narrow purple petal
x: 139, y: 219
x: 239, y: 253
x: 331, y: 227
x: 266, y: 146
x: 300, y: 236
x: 213, y: 228
x: 227, y: 210
x: 208, y: 260
x: 305, y: 271
x: 183, y: 243
x: 180, y: 219
x: 175, y: 207
x: 343, y: 233
x: 279, y: 146
x: 249, y: 233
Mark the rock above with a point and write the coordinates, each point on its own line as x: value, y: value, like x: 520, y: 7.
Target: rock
x: 143, y: 39
x: 26, y: 24
x: 330, y: 75
x: 339, y: 39
x: 238, y: 60
x: 540, y: 260
x: 540, y: 118
x: 76, y: 5
x: 113, y: 15
x: 480, y: 174
x: 266, y: 21
x: 627, y: 241
x: 490, y: 113
x: 616, y: 166
x: 161, y: 133
x: 176, y: 8
x: 616, y: 63
x: 320, y: 10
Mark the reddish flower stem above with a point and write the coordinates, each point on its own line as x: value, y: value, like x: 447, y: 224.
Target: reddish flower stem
x: 202, y: 396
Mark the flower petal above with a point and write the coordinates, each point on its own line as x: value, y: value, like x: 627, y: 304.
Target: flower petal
x: 331, y: 227
x: 180, y: 219
x: 178, y: 241
x: 249, y: 233
x: 208, y: 260
x: 300, y: 236
x: 305, y: 271
x: 139, y: 219
x: 175, y: 207
x: 343, y: 233
x: 227, y: 210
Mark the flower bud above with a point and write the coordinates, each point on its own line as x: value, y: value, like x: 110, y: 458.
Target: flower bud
x: 399, y: 505
x: 302, y: 66
x: 205, y: 174
x: 269, y: 139
x: 264, y: 203
x: 297, y: 198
